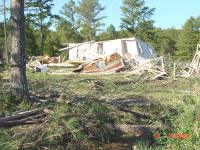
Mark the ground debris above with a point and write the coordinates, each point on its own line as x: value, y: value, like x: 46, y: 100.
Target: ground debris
x: 23, y: 118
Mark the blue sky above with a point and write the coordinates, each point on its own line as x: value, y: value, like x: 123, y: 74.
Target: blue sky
x: 169, y: 13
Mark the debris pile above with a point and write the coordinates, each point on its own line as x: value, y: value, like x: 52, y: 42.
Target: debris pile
x: 129, y: 55
x: 44, y: 63
x: 116, y: 63
x: 194, y: 68
x: 188, y: 69
x: 155, y: 67
x: 108, y: 64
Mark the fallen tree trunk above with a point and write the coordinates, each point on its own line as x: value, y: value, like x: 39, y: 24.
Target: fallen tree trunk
x: 21, y: 115
x: 7, y: 124
x: 137, y: 114
x: 23, y: 118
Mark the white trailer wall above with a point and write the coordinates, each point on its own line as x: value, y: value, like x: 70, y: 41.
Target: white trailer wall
x: 110, y: 47
x: 133, y: 46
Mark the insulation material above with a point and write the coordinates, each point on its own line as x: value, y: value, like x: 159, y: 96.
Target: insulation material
x: 109, y: 64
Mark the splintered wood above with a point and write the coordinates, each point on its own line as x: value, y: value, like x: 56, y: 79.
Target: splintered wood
x: 109, y: 64
x: 155, y: 67
x: 194, y: 68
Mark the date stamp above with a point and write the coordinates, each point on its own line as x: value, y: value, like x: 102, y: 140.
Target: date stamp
x: 179, y: 136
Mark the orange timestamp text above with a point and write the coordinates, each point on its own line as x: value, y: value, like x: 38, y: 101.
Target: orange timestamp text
x: 179, y: 136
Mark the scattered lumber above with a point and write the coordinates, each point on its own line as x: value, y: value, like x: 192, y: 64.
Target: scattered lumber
x: 155, y: 67
x: 195, y: 65
x: 192, y: 69
x: 109, y: 64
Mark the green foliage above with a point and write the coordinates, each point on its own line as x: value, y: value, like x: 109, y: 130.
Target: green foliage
x: 110, y: 34
x: 38, y: 11
x: 69, y: 23
x: 144, y: 145
x: 52, y: 43
x: 135, y: 15
x: 31, y: 44
x: 2, y: 46
x: 165, y: 41
x: 6, y: 141
x: 39, y: 15
x: 188, y: 39
x: 186, y: 123
x: 66, y: 33
x: 90, y: 15
x: 83, y: 115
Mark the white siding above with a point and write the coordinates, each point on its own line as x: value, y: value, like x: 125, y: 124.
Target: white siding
x: 131, y: 47
x: 135, y: 47
x: 111, y: 47
x: 73, y: 54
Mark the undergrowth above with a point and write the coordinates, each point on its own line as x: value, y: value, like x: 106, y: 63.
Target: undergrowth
x: 89, y: 107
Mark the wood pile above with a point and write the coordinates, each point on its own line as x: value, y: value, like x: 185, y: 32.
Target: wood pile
x: 109, y: 64
x: 195, y: 65
x: 154, y: 67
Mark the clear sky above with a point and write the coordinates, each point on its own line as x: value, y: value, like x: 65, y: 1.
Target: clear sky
x: 168, y: 13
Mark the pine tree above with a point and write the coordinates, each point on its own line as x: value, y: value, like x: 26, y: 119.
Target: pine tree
x: 112, y: 34
x: 5, y: 31
x: 188, y: 39
x: 165, y: 40
x: 18, y: 82
x: 69, y: 22
x: 90, y: 16
x: 39, y: 13
x: 136, y: 16
x: 109, y: 34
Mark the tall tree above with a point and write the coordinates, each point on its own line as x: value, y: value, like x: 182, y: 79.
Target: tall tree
x: 5, y: 31
x: 39, y: 12
x: 164, y: 40
x: 91, y: 18
x: 32, y: 44
x: 110, y: 34
x: 18, y: 82
x: 69, y: 22
x: 188, y: 39
x: 135, y: 15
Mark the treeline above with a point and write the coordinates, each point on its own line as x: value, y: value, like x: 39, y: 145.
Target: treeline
x: 83, y: 20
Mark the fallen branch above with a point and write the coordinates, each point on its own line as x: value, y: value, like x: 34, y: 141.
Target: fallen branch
x: 23, y: 118
x: 6, y: 124
x: 135, y: 113
x: 21, y: 115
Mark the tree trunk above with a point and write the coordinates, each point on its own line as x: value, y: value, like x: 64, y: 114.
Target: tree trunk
x: 41, y: 37
x: 18, y: 82
x: 5, y: 32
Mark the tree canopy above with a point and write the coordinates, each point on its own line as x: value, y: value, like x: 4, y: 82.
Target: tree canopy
x: 78, y: 21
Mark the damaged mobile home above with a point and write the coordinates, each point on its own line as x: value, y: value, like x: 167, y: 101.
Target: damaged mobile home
x: 130, y: 48
x: 128, y: 54
x: 115, y: 55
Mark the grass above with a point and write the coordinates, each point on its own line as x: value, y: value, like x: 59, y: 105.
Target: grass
x: 91, y: 102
